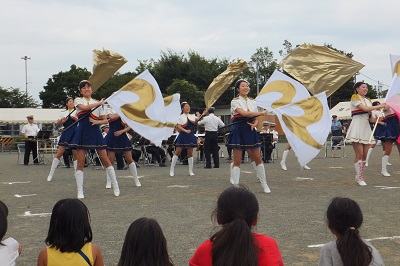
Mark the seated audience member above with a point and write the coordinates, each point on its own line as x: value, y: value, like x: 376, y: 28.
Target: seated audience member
x: 144, y: 244
x: 236, y: 244
x: 157, y: 153
x: 70, y: 236
x: 9, y: 247
x: 344, y: 218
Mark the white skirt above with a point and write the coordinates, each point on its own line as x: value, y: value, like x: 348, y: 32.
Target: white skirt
x: 359, y: 130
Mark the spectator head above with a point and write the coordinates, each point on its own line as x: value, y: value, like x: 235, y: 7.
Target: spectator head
x: 3, y: 220
x: 334, y: 117
x: 145, y: 244
x: 69, y: 228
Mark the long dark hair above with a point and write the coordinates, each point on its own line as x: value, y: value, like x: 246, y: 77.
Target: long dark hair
x: 145, y: 245
x: 345, y: 218
x: 69, y: 228
x: 3, y: 221
x: 237, y: 210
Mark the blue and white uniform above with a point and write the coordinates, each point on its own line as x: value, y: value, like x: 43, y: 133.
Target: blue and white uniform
x: 391, y: 129
x: 88, y: 136
x: 67, y: 136
x: 241, y: 136
x: 114, y: 143
x: 186, y: 139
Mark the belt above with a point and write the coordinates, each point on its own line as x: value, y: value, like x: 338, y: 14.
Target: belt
x: 211, y: 132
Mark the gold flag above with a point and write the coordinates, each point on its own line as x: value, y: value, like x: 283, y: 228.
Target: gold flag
x: 222, y: 81
x: 105, y: 64
x: 319, y: 68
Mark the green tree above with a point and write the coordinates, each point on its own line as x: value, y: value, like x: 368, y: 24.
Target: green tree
x: 188, y: 91
x: 62, y: 85
x: 15, y: 98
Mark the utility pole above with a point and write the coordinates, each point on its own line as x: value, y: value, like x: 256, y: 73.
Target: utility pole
x: 26, y: 78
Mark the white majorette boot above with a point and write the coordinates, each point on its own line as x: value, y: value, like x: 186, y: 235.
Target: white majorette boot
x: 368, y: 155
x: 283, y: 161
x: 235, y: 175
x: 263, y: 178
x: 75, y: 165
x: 111, y: 172
x: 133, y: 169
x: 306, y: 167
x: 173, y: 163
x: 230, y: 171
x: 358, y: 166
x: 54, y: 165
x: 108, y: 184
x: 190, y: 163
x: 79, y: 183
x: 385, y: 160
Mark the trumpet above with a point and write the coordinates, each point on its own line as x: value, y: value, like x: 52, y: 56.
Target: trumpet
x: 200, y: 143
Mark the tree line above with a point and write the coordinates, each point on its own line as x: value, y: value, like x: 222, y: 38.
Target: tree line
x: 188, y: 74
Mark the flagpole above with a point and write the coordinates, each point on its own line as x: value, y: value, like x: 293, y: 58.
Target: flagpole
x: 376, y: 123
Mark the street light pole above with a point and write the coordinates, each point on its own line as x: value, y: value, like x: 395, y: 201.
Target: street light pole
x: 26, y: 78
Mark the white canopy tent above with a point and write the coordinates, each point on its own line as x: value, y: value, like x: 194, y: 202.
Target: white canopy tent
x: 18, y: 115
x: 343, y: 112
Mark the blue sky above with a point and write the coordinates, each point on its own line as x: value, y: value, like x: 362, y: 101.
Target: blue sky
x: 57, y: 34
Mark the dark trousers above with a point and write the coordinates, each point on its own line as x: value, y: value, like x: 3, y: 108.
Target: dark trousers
x: 266, y: 150
x: 337, y: 132
x: 157, y: 153
x: 30, y: 146
x: 120, y: 160
x: 211, y: 148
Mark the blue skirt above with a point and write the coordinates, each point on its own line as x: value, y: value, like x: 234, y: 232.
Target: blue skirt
x: 242, y: 137
x: 389, y: 131
x: 68, y: 135
x: 87, y: 137
x: 120, y: 143
x: 186, y: 140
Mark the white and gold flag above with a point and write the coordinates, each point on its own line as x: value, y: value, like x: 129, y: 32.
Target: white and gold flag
x: 141, y: 106
x: 280, y: 90
x: 306, y: 124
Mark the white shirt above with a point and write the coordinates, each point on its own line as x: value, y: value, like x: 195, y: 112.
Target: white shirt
x: 9, y: 252
x: 211, y: 122
x: 247, y: 104
x: 71, y: 113
x: 183, y: 119
x: 30, y: 130
x: 95, y: 114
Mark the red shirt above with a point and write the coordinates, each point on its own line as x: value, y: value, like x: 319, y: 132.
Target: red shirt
x: 269, y: 253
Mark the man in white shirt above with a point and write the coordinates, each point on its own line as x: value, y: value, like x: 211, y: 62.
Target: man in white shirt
x: 211, y: 123
x: 30, y: 131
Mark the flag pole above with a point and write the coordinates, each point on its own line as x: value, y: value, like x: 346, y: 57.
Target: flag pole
x: 376, y: 123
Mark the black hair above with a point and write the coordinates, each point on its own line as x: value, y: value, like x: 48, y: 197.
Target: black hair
x: 345, y: 218
x: 237, y: 210
x: 69, y: 228
x: 3, y: 220
x: 375, y: 103
x: 211, y: 110
x: 145, y: 244
x: 67, y: 100
x: 83, y: 83
x: 358, y: 84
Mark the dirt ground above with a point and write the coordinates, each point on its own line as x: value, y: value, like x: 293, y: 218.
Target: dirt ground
x: 294, y: 213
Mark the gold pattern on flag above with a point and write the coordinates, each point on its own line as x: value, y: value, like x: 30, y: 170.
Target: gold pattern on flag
x: 286, y: 88
x: 312, y: 108
x: 137, y: 111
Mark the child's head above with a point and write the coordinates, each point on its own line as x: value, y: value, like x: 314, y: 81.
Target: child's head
x: 343, y: 214
x: 69, y: 228
x: 144, y: 244
x: 3, y: 220
x: 237, y: 203
x: 344, y: 219
x: 237, y: 211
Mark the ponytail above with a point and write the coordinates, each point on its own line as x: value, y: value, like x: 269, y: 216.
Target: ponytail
x: 234, y: 245
x: 353, y: 250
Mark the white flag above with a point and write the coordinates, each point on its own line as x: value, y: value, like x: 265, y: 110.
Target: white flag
x: 279, y: 91
x: 141, y: 106
x: 306, y: 124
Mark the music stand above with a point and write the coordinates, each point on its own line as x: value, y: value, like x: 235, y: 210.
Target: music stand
x: 43, y: 137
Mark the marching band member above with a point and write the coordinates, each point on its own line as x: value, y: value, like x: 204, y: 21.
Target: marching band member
x: 88, y: 136
x: 30, y: 131
x: 186, y: 137
x: 244, y: 134
x: 68, y: 117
